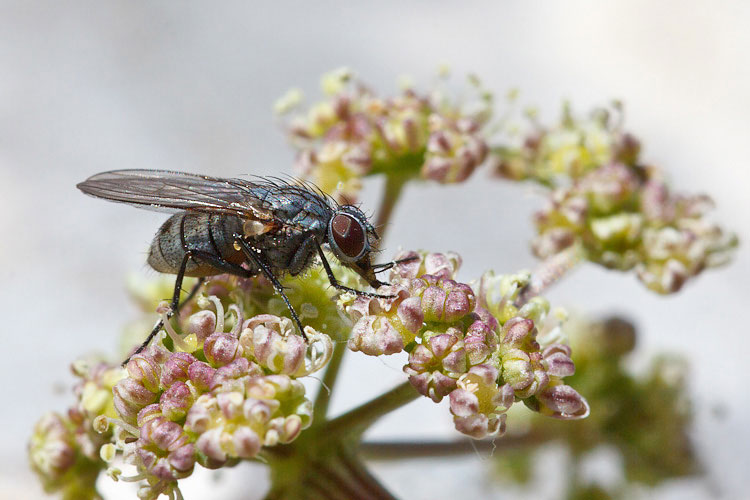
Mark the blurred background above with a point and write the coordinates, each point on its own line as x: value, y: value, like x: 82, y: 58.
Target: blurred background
x: 87, y: 86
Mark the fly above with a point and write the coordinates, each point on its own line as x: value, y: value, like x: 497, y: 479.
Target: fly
x: 244, y: 228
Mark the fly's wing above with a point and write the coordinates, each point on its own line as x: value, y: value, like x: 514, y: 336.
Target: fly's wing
x: 175, y: 191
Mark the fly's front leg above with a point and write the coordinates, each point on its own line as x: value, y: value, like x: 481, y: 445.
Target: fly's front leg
x: 256, y: 257
x: 338, y: 286
x: 379, y: 268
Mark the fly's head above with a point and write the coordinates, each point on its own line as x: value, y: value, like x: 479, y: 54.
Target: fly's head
x: 351, y: 238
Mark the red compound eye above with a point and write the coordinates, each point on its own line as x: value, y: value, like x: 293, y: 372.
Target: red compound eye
x: 348, y: 235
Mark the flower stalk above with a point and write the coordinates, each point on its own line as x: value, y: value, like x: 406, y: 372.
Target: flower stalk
x: 356, y: 421
x: 549, y: 272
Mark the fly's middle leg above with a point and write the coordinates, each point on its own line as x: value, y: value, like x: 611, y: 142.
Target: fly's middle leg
x: 256, y: 257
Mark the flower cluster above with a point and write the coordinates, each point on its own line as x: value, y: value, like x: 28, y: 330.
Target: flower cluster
x: 229, y: 395
x: 213, y: 397
x: 608, y: 208
x: 568, y: 150
x: 64, y: 449
x: 625, y: 217
x: 470, y: 344
x: 354, y: 132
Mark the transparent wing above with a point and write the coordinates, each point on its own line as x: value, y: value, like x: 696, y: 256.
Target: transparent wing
x: 174, y: 191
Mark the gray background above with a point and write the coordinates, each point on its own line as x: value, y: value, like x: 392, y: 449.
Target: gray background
x: 87, y: 86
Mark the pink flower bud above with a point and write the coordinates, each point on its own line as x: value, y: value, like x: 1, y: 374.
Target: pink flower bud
x: 176, y: 368
x: 519, y: 332
x: 516, y: 369
x: 409, y: 269
x: 446, y: 300
x: 374, y: 335
x: 51, y: 449
x: 165, y: 450
x: 480, y: 341
x: 557, y: 360
x: 259, y: 411
x: 176, y: 401
x: 410, y: 313
x: 274, y: 345
x: 149, y: 412
x: 202, y: 324
x: 463, y: 403
x: 130, y: 397
x: 435, y: 385
x: 442, y: 265
x: 246, y: 442
x: 230, y: 404
x: 144, y: 370
x: 233, y: 376
x: 563, y: 402
x: 210, y: 443
x: 478, y: 405
x: 220, y: 348
x: 201, y: 375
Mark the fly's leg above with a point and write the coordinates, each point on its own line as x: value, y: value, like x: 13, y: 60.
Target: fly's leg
x: 338, y: 286
x: 175, y: 304
x: 379, y: 268
x: 254, y: 255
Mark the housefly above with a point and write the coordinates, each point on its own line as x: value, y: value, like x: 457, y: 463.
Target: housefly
x: 245, y: 228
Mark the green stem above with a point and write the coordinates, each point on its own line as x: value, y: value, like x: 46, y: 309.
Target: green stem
x: 322, y: 470
x: 359, y: 419
x: 400, y: 450
x: 394, y: 184
x: 549, y: 272
x: 323, y: 399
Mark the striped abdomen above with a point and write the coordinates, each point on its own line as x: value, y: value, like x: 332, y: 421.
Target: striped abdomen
x: 210, y: 235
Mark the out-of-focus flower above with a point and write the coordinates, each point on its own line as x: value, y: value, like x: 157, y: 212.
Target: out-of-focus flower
x: 354, y: 132
x: 58, y: 460
x: 568, y: 150
x: 604, y: 202
x: 624, y: 217
x: 644, y: 418
x: 64, y: 449
x: 474, y: 345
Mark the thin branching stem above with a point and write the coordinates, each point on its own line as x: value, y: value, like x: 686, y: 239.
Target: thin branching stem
x: 406, y: 450
x: 394, y: 185
x: 323, y: 399
x: 359, y: 419
x: 549, y: 272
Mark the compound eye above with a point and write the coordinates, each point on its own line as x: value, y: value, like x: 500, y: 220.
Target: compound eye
x: 348, y: 235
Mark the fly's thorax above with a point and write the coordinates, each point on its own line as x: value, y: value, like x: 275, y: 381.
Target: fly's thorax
x: 289, y: 249
x: 253, y: 227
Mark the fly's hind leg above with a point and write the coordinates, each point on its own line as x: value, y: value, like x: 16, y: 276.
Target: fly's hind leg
x: 175, y: 304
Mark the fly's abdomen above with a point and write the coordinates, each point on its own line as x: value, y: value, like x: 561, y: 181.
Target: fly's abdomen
x: 208, y: 237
